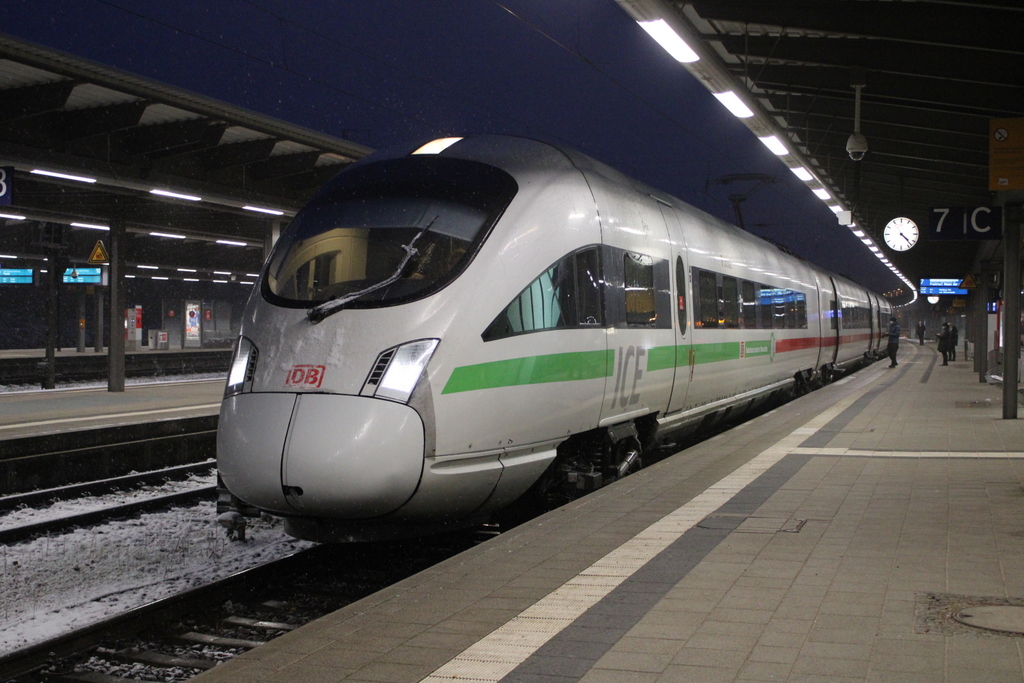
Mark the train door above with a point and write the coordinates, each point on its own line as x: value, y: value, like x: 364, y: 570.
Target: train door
x: 681, y: 305
x: 873, y: 321
x: 836, y: 322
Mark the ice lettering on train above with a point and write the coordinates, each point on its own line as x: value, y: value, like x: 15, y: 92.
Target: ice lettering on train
x: 623, y: 394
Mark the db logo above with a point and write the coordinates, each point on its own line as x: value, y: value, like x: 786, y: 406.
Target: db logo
x: 307, y: 376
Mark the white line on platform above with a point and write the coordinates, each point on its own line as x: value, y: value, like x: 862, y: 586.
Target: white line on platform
x: 136, y: 413
x: 497, y: 654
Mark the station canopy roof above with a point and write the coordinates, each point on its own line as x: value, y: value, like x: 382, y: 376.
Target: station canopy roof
x: 934, y: 73
x: 130, y: 136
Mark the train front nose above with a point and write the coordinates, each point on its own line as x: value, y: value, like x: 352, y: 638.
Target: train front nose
x: 320, y: 455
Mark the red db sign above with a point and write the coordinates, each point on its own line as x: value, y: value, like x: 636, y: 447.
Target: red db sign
x: 305, y: 376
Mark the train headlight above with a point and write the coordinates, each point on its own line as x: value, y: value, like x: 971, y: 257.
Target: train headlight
x: 243, y: 365
x: 404, y: 369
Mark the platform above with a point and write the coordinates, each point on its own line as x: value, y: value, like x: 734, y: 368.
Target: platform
x: 828, y: 540
x: 34, y: 413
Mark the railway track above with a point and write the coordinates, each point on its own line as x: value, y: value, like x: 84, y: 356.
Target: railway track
x: 101, y: 510
x: 179, y: 637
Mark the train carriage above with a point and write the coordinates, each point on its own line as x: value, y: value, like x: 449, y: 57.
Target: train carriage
x: 443, y: 328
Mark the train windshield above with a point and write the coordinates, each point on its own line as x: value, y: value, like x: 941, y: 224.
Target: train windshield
x: 387, y: 233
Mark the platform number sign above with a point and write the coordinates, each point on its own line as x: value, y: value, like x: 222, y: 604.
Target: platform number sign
x: 6, y: 190
x: 966, y: 223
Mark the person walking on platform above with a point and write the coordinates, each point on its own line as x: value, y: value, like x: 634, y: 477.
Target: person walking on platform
x: 943, y: 337
x: 920, y: 332
x: 894, y: 341
x: 954, y: 340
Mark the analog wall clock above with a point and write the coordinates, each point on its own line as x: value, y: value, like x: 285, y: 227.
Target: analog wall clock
x: 901, y: 234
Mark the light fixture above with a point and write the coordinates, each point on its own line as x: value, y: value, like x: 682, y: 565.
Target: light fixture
x: 176, y: 195
x: 233, y: 243
x: 933, y: 299
x: 149, y: 267
x: 867, y: 241
x: 167, y: 234
x: 252, y: 274
x: 7, y: 256
x: 65, y: 176
x: 734, y: 104
x: 12, y: 216
x: 244, y: 282
x: 90, y: 226
x: 670, y: 40
x: 160, y: 277
x: 190, y: 279
x: 130, y: 276
x: 835, y: 209
x: 774, y: 145
x: 186, y: 270
x: 221, y: 282
x: 858, y: 233
x: 802, y: 173
x: 437, y: 146
x: 260, y: 209
x: 221, y: 272
x: 822, y: 194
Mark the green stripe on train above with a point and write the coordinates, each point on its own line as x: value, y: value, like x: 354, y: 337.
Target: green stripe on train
x: 667, y: 357
x: 556, y: 367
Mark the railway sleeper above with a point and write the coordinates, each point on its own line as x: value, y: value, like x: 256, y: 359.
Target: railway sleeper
x: 220, y: 641
x: 159, y: 659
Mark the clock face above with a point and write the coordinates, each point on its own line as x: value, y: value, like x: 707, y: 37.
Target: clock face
x: 901, y: 234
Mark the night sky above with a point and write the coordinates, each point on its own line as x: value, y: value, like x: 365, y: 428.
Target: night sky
x: 383, y: 72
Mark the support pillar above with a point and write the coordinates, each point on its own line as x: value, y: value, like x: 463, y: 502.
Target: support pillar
x: 115, y: 351
x: 1011, y: 304
x: 49, y: 380
x: 97, y: 344
x: 81, y: 320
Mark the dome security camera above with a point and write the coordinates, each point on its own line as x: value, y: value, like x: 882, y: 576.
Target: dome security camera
x: 857, y: 146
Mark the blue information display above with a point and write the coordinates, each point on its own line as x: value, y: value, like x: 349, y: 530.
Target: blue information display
x: 942, y: 286
x: 82, y: 276
x: 15, y: 276
x: 6, y: 189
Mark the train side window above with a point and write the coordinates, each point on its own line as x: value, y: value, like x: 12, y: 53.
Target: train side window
x: 834, y: 314
x: 638, y: 272
x: 801, y: 309
x: 589, y: 303
x: 749, y: 305
x: 764, y: 299
x: 681, y: 293
x: 706, y: 316
x: 547, y: 303
x: 730, y: 302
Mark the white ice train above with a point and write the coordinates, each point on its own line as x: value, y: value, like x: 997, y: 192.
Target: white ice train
x: 441, y: 328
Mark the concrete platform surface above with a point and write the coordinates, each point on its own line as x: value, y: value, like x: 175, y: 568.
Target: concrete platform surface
x: 33, y: 413
x: 829, y: 540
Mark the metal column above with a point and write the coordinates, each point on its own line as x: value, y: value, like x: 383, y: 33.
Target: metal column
x: 115, y: 352
x: 1011, y: 304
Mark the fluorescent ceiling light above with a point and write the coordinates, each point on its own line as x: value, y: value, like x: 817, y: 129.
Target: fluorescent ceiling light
x: 252, y: 274
x: 866, y: 241
x: 670, y: 40
x: 221, y: 282
x: 167, y: 234
x: 221, y: 272
x: 873, y: 248
x: 65, y: 176
x: 12, y: 216
x: 802, y: 173
x: 233, y: 243
x: 186, y: 270
x: 774, y: 144
x: 177, y: 195
x: 91, y: 226
x: 822, y: 194
x: 437, y: 146
x: 259, y: 209
x: 190, y: 279
x: 858, y: 233
x: 835, y: 209
x: 149, y: 267
x: 159, y: 277
x: 244, y: 282
x: 131, y: 276
x: 734, y: 104
x: 7, y: 256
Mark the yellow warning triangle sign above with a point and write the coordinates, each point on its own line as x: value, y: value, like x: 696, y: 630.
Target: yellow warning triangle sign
x: 99, y: 253
x: 968, y: 282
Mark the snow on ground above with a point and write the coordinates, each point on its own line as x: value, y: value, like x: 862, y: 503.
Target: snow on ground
x: 62, y: 582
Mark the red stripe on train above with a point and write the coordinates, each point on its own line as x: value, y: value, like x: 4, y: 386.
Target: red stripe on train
x: 801, y: 343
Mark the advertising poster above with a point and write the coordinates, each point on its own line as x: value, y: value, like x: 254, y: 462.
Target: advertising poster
x: 192, y: 321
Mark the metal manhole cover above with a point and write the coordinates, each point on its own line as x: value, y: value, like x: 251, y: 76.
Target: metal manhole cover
x: 1004, y: 618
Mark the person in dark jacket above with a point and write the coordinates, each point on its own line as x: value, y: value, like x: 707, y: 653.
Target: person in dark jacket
x: 920, y: 332
x: 954, y: 341
x: 894, y: 341
x: 943, y: 337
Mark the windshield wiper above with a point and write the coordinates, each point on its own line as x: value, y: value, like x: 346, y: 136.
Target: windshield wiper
x: 321, y: 311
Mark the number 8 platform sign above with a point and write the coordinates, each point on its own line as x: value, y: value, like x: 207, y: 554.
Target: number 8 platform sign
x: 6, y: 174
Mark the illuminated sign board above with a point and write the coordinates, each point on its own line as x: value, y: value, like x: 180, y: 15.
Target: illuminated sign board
x: 942, y: 287
x: 89, y: 276
x: 15, y: 276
